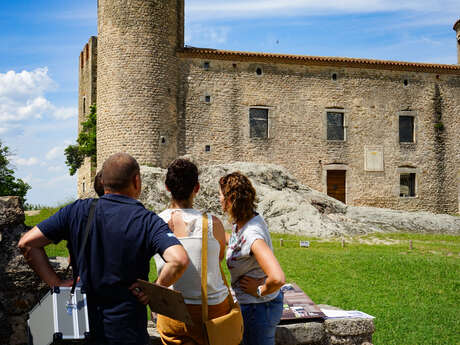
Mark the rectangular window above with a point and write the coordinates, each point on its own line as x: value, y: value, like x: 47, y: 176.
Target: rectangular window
x: 335, y: 126
x: 406, y: 129
x: 258, y: 123
x: 407, y: 185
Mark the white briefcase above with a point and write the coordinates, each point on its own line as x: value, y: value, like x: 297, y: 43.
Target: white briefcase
x: 59, y: 317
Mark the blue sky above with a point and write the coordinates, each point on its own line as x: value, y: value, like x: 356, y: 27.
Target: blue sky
x: 41, y: 41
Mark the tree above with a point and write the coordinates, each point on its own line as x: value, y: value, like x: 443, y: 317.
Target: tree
x: 9, y: 185
x: 86, y: 144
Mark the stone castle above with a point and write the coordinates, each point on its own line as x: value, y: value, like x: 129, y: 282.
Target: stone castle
x: 367, y: 132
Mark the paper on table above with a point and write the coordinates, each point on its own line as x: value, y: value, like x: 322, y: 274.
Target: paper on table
x: 330, y: 313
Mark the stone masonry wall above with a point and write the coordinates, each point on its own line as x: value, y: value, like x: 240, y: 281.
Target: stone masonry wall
x: 20, y: 287
x: 298, y: 97
x: 156, y: 103
x: 138, y: 78
x: 353, y: 331
x: 457, y: 31
x: 86, y: 97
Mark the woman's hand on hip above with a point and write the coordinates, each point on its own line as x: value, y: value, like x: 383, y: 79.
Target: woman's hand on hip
x: 250, y: 285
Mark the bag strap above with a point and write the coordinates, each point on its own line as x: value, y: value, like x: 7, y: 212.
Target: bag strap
x: 92, y: 209
x: 204, y: 273
x: 204, y: 269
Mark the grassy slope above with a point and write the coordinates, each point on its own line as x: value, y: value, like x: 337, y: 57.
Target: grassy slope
x: 52, y: 249
x: 413, y: 294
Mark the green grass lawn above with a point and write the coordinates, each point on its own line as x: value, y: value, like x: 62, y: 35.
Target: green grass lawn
x: 414, y: 294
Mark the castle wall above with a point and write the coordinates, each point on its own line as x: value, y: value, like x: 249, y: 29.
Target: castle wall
x: 86, y: 97
x: 457, y: 31
x: 297, y: 98
x: 138, y: 78
x: 158, y: 100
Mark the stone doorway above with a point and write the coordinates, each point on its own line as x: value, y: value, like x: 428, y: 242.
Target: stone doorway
x: 336, y: 185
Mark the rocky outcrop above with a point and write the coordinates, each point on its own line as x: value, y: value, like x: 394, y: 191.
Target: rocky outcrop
x: 20, y: 287
x: 290, y: 207
x: 349, y: 331
x: 11, y: 212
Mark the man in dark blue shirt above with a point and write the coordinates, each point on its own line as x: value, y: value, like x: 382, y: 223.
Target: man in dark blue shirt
x: 123, y: 238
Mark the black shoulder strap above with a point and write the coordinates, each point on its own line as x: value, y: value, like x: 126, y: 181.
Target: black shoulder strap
x: 92, y: 209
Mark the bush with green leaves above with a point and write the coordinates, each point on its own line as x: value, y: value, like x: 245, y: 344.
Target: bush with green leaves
x: 86, y: 144
x: 10, y: 185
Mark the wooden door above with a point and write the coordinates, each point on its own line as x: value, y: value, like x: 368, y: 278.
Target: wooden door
x: 336, y: 184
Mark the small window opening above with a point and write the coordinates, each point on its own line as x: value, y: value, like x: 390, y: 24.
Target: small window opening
x: 335, y: 126
x: 406, y: 129
x: 407, y: 185
x: 206, y: 65
x: 234, y: 65
x: 207, y: 148
x: 163, y: 140
x: 406, y: 82
x: 83, y: 187
x: 207, y: 99
x: 84, y: 106
x: 259, y: 71
x: 258, y: 123
x: 334, y: 76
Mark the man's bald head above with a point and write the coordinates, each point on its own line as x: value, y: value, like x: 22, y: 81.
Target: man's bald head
x: 118, y: 172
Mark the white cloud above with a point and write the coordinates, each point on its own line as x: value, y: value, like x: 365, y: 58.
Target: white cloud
x: 25, y: 161
x: 55, y: 152
x: 55, y: 168
x: 64, y: 113
x: 22, y: 97
x: 60, y: 180
x: 86, y: 14
x: 25, y: 83
x: 209, y: 35
x: 274, y: 8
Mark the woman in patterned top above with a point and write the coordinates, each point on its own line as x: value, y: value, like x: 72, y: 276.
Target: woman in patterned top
x: 256, y: 274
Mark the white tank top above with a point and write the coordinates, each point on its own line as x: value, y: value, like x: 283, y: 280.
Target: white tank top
x: 189, y: 284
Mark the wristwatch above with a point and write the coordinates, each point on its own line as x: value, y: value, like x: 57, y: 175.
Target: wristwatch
x: 259, y: 291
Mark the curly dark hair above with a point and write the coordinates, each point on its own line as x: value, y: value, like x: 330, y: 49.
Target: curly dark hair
x: 238, y: 190
x: 181, y: 178
x: 98, y: 186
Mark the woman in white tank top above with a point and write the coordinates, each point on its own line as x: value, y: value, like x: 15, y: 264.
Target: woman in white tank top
x: 186, y: 223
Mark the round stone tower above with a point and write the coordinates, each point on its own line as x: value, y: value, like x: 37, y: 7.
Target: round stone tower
x: 457, y: 30
x: 137, y: 78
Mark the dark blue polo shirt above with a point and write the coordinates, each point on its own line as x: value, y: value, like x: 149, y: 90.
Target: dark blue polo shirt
x: 123, y: 238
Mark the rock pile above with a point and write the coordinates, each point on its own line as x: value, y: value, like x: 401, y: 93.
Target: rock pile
x: 352, y: 331
x: 290, y: 207
x: 20, y: 287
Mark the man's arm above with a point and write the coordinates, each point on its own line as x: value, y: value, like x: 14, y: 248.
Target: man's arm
x: 32, y: 246
x: 177, y: 260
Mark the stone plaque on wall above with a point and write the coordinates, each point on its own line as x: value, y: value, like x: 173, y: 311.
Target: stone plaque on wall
x: 373, y: 158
